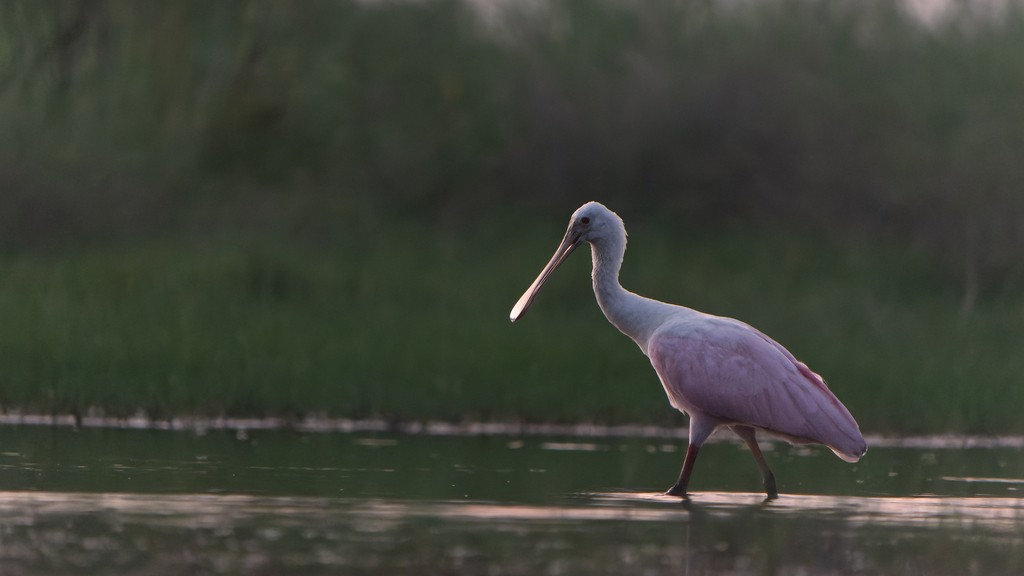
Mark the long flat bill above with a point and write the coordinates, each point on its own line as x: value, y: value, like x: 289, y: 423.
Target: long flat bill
x: 569, y: 243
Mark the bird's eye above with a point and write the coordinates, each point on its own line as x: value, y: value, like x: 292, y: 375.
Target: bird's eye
x: 584, y: 220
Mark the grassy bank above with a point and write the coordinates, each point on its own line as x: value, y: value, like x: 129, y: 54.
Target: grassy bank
x: 278, y: 207
x: 401, y: 320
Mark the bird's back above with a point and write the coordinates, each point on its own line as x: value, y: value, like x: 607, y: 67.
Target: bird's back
x: 722, y: 368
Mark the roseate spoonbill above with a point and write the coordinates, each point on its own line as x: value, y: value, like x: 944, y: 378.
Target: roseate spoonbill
x: 720, y: 371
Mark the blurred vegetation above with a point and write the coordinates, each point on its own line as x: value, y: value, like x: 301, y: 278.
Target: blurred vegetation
x: 170, y: 173
x: 838, y: 118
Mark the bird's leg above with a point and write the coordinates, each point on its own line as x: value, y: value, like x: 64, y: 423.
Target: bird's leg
x: 747, y: 433
x: 701, y: 427
x: 684, y: 477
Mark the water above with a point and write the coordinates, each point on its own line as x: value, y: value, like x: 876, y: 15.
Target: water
x: 270, y: 502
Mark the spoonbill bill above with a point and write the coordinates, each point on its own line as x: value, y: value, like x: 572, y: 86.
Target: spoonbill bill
x: 719, y: 371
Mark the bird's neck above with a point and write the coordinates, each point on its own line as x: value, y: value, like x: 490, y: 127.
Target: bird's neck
x: 629, y: 312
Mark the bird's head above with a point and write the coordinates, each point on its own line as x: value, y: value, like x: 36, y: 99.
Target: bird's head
x: 592, y: 223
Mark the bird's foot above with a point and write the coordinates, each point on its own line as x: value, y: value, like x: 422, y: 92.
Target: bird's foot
x: 770, y: 487
x: 677, y: 490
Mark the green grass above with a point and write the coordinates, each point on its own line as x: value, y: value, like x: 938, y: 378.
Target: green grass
x: 192, y: 200
x: 401, y: 320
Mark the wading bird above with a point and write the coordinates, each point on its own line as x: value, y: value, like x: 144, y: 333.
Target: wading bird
x: 720, y: 371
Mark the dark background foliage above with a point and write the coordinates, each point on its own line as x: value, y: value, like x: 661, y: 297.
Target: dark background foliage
x: 837, y: 118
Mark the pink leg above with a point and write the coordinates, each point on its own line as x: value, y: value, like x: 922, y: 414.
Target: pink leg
x: 701, y: 427
x: 747, y: 433
x: 684, y: 477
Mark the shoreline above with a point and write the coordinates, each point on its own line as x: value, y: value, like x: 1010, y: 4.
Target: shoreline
x: 323, y: 425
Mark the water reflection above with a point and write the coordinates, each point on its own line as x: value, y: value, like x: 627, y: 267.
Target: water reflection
x: 165, y: 502
x: 225, y: 510
x: 984, y: 480
x: 997, y: 514
x: 604, y: 533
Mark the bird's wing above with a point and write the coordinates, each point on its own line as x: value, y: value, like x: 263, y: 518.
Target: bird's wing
x: 729, y: 370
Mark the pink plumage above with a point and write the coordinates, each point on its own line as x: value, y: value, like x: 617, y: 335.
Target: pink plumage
x: 722, y: 371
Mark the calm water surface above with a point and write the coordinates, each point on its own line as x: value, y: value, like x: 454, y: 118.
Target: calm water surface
x: 162, y: 502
